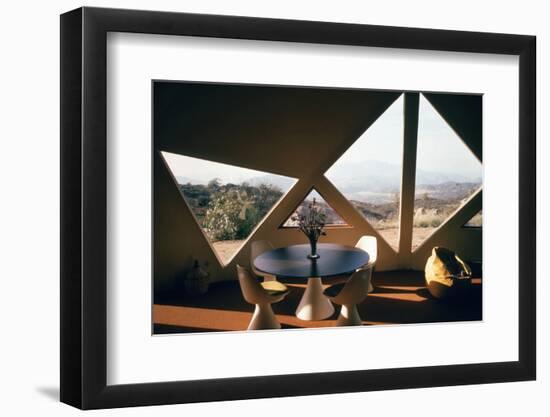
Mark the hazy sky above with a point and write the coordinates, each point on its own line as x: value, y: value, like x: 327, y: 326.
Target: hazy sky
x: 204, y: 171
x: 382, y: 141
x: 439, y: 149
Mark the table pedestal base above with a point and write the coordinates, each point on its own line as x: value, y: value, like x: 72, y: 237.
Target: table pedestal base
x: 314, y: 304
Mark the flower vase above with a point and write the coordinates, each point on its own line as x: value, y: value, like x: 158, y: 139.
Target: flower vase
x: 313, y: 254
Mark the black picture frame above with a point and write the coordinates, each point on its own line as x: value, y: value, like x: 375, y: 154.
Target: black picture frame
x: 83, y: 207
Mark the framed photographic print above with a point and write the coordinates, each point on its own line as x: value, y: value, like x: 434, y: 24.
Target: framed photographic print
x: 260, y: 207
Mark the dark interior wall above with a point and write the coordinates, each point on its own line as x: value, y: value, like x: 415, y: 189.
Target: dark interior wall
x: 273, y: 129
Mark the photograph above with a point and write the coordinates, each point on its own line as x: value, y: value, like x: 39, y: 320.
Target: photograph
x: 257, y: 207
x: 268, y: 209
x: 281, y: 207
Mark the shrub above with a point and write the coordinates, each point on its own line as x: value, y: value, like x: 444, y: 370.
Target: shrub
x: 221, y: 220
x: 428, y: 219
x: 235, y: 210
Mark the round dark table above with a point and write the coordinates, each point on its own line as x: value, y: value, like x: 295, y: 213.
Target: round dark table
x: 292, y: 262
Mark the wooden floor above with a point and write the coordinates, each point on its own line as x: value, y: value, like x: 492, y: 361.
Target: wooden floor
x: 399, y: 297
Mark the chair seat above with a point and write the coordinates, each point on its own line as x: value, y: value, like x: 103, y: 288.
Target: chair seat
x: 274, y: 287
x: 334, y: 290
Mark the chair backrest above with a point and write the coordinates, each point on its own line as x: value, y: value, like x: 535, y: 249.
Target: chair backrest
x: 258, y: 247
x: 356, y: 288
x: 370, y: 245
x: 252, y: 291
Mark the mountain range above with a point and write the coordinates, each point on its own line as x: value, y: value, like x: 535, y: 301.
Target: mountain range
x: 374, y: 181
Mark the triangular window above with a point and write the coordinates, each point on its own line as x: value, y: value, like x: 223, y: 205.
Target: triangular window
x: 332, y: 217
x: 228, y: 202
x: 476, y: 221
x: 368, y: 174
x: 447, y: 173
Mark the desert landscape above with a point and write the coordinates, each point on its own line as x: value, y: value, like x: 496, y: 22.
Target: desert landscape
x: 228, y: 213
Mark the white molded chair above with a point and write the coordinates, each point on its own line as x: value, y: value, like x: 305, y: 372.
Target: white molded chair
x: 262, y: 295
x: 370, y: 245
x: 257, y: 248
x: 348, y: 295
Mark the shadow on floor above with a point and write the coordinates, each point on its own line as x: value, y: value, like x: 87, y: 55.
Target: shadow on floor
x: 400, y: 297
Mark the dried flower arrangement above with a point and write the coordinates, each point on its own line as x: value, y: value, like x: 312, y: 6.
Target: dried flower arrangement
x: 311, y: 221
